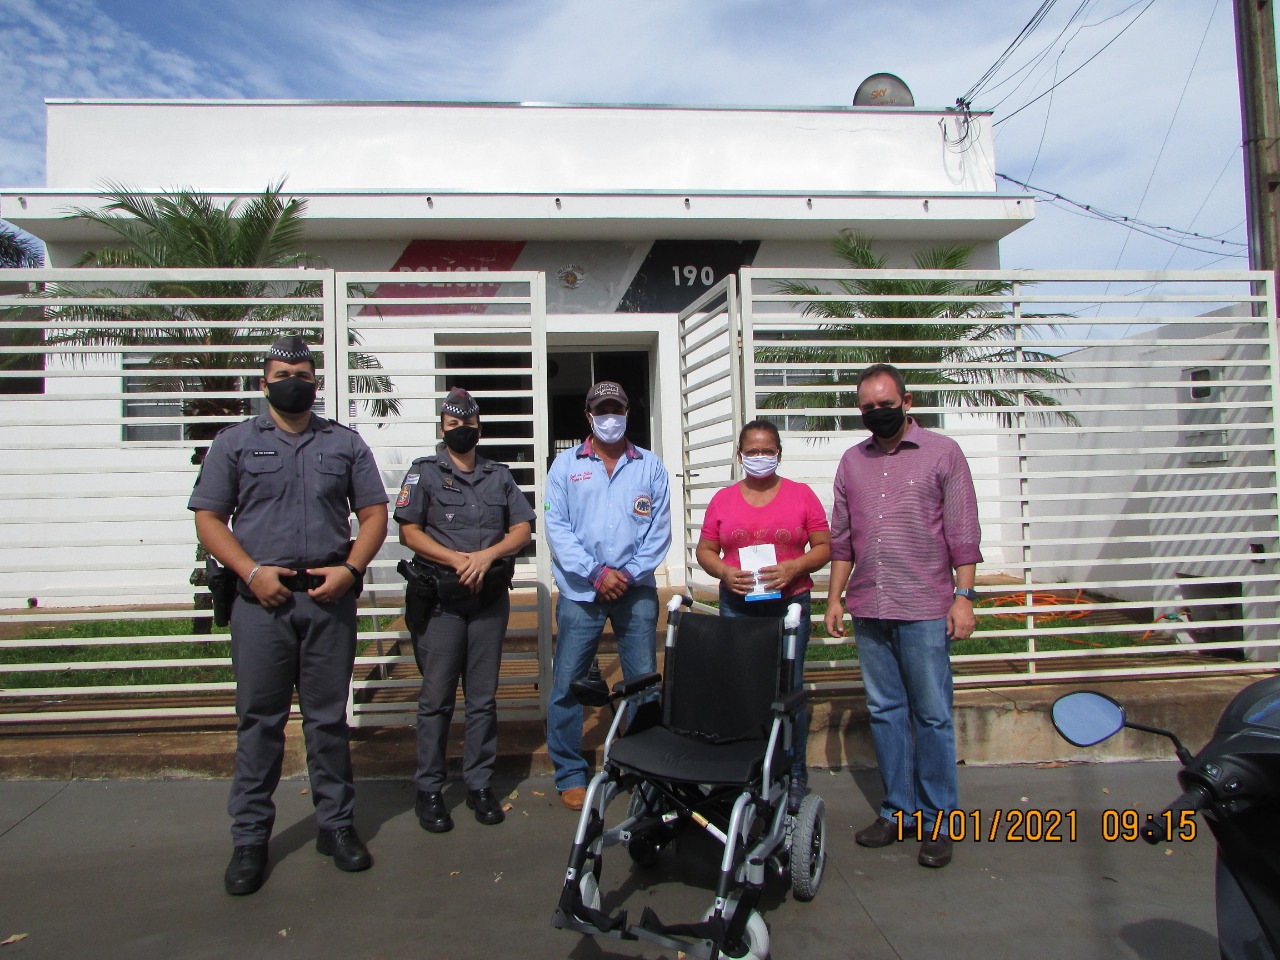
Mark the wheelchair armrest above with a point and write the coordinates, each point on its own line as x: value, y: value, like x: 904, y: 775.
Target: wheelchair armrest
x: 625, y: 688
x: 792, y: 702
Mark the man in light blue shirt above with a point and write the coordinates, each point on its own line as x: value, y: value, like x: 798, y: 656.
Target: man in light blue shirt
x: 608, y: 521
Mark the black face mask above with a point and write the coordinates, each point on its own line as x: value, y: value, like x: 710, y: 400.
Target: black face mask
x: 292, y: 394
x: 884, y: 422
x: 462, y: 439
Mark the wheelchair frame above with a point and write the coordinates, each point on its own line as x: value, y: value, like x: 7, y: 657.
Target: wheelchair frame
x: 731, y: 926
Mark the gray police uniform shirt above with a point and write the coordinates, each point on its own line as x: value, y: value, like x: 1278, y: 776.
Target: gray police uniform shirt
x: 461, y: 511
x: 290, y: 503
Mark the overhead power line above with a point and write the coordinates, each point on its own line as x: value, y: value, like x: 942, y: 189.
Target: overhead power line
x: 1033, y: 100
x: 1174, y: 235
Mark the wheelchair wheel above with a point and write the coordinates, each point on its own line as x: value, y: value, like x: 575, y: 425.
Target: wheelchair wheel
x: 809, y: 847
x: 589, y: 887
x: 644, y: 848
x: 755, y: 938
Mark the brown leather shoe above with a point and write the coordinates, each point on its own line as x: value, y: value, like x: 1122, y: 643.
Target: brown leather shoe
x: 880, y: 834
x: 574, y: 797
x: 935, y: 853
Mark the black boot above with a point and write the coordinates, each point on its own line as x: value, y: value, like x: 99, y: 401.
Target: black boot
x: 485, y: 804
x: 433, y: 815
x: 346, y: 848
x: 247, y: 869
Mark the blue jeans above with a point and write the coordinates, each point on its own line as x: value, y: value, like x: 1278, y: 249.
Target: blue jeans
x: 579, y: 624
x: 906, y: 668
x: 732, y: 605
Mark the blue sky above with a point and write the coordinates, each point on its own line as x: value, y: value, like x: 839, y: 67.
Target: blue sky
x: 1150, y: 127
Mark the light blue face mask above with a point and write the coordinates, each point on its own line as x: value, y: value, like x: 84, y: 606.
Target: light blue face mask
x: 760, y: 467
x: 609, y: 427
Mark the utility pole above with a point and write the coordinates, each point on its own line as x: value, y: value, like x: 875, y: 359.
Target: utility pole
x: 1260, y: 114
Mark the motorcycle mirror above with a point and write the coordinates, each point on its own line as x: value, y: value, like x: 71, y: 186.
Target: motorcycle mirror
x: 1085, y: 718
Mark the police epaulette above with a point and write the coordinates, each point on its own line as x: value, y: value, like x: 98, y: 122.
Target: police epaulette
x: 342, y: 425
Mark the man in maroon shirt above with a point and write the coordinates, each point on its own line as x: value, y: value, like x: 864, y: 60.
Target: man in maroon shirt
x: 905, y: 524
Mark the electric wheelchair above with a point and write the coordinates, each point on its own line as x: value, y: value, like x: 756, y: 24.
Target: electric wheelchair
x: 713, y: 753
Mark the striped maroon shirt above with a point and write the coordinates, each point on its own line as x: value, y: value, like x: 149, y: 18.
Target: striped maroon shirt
x: 906, y: 519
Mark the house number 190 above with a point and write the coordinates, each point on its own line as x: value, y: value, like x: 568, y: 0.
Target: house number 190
x: 692, y: 274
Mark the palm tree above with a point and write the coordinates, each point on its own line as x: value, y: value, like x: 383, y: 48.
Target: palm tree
x: 185, y: 229
x: 983, y: 342
x: 19, y: 250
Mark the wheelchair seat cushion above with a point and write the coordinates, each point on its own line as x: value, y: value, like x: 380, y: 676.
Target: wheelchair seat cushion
x: 662, y: 754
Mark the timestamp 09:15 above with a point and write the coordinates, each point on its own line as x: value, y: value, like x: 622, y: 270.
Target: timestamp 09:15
x: 1019, y: 825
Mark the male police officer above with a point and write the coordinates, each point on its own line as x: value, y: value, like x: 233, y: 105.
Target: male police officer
x: 287, y: 481
x: 608, y: 521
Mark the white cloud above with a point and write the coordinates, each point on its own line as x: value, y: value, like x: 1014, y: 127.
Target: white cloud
x: 1097, y: 136
x: 69, y: 48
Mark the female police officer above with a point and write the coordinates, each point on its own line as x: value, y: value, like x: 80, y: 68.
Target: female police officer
x: 465, y: 519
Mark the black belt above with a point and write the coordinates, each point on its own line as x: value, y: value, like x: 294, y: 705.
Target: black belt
x: 302, y: 582
x: 299, y: 582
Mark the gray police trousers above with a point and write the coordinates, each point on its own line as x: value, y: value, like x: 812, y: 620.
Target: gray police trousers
x: 454, y: 646
x: 310, y: 646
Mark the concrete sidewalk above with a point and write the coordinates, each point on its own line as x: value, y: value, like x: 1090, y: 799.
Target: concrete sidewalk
x: 133, y: 869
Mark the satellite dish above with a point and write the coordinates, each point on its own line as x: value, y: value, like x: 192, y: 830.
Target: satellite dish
x: 883, y: 90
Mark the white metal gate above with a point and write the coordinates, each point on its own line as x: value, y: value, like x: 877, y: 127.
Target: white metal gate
x: 432, y: 331
x: 711, y: 398
x: 1121, y: 429
x: 113, y: 382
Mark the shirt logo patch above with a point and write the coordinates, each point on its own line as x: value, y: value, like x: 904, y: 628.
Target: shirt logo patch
x: 643, y: 506
x: 403, y: 499
x: 579, y: 477
x: 265, y: 453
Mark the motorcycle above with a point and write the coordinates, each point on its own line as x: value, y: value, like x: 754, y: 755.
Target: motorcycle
x: 1234, y: 782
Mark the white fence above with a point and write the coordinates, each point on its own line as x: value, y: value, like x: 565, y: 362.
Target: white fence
x: 1124, y: 447
x: 113, y: 384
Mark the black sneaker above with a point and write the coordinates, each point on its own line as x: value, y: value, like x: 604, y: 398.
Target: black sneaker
x: 346, y: 848
x: 485, y: 804
x: 433, y: 815
x: 247, y: 869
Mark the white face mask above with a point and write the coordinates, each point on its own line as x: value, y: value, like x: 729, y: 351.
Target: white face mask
x: 609, y: 427
x: 760, y: 467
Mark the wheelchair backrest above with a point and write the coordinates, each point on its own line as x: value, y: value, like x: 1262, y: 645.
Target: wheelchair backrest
x: 722, y: 677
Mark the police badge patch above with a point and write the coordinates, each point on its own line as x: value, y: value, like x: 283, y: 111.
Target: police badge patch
x: 643, y: 506
x: 403, y: 499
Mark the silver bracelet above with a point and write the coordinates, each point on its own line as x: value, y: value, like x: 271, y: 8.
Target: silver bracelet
x: 252, y: 573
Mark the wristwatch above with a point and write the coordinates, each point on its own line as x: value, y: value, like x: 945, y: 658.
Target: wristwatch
x: 968, y: 593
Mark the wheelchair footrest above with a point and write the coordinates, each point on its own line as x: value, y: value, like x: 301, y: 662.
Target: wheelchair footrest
x: 571, y: 913
x: 705, y: 930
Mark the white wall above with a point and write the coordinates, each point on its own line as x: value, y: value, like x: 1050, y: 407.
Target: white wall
x: 503, y: 148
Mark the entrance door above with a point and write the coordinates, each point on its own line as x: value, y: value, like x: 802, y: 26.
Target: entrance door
x: 570, y: 375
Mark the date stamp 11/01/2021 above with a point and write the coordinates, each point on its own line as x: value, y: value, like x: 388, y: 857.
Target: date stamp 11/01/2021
x: 1025, y: 825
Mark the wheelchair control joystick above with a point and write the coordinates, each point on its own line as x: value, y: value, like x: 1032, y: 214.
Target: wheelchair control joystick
x: 591, y: 691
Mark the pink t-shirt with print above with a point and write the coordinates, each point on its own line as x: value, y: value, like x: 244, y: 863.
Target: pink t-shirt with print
x: 785, y: 521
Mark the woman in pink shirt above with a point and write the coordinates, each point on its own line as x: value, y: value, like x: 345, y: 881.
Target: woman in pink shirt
x: 764, y: 509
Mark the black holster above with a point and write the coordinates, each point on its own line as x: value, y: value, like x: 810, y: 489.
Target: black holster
x: 222, y: 587
x: 420, y: 594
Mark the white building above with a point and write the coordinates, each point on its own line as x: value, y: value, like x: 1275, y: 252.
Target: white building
x: 630, y: 212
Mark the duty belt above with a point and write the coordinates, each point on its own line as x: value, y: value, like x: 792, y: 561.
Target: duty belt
x: 302, y: 582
